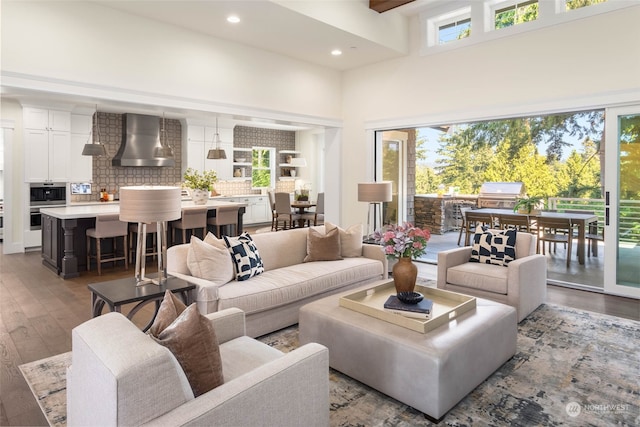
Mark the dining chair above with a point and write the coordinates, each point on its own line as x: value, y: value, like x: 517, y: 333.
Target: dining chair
x: 192, y: 219
x: 284, y: 212
x: 519, y: 222
x: 225, y: 217
x: 555, y: 230
x: 473, y: 219
x: 272, y: 204
x: 591, y: 235
x: 107, y: 227
x: 318, y: 214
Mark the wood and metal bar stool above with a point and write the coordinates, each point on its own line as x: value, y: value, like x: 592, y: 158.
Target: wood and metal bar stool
x: 192, y: 219
x: 225, y: 217
x: 107, y: 227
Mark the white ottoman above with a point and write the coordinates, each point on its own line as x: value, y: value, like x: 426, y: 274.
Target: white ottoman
x: 431, y: 372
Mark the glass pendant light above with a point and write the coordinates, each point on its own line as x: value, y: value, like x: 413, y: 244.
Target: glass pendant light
x: 216, y: 153
x: 96, y: 148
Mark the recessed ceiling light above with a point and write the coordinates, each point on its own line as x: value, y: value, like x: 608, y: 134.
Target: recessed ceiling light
x: 233, y: 19
x: 336, y: 52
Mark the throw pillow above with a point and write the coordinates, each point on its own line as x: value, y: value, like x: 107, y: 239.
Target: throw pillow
x: 209, y: 262
x: 192, y: 340
x: 245, y: 256
x: 170, y: 308
x: 323, y: 247
x: 494, y: 247
x: 350, y: 239
x: 211, y: 239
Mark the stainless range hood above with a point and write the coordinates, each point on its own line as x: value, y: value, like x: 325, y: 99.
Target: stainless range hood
x: 140, y: 138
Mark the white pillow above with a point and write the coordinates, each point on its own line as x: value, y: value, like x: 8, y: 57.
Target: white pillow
x: 350, y: 239
x: 209, y: 262
x: 211, y: 239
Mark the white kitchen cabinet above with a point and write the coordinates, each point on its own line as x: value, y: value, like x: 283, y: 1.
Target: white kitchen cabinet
x: 257, y: 210
x: 47, y: 146
x: 80, y: 167
x: 199, y: 141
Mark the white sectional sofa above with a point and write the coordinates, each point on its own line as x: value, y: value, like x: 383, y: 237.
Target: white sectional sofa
x: 271, y: 300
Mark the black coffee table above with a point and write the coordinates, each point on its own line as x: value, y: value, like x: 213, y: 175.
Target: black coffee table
x: 116, y: 293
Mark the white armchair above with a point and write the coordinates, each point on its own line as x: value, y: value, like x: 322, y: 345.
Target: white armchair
x: 121, y: 376
x: 522, y: 284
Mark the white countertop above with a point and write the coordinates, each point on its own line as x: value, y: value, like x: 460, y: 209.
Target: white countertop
x: 92, y: 210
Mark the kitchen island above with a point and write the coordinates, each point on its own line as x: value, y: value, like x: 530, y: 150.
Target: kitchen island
x: 64, y: 231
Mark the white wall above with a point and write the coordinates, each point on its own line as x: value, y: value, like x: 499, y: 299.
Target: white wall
x: 581, y: 64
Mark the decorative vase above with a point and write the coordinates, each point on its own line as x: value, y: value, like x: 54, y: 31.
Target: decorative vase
x: 405, y: 274
x: 199, y: 197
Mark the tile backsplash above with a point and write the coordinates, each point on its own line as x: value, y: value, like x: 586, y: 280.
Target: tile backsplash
x: 112, y: 178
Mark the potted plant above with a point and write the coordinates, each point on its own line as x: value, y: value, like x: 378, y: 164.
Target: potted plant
x: 200, y: 183
x: 529, y: 205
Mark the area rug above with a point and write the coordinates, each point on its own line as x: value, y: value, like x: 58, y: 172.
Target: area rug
x: 571, y: 368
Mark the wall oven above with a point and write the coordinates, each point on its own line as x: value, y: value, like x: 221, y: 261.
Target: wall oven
x: 49, y: 195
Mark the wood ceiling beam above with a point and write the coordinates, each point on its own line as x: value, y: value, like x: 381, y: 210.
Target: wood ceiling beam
x: 384, y: 5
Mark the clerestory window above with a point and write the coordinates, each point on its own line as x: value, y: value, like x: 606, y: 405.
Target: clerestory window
x: 516, y: 13
x: 454, y: 31
x: 578, y: 4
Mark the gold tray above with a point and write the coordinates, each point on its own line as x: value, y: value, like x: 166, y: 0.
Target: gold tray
x: 446, y: 306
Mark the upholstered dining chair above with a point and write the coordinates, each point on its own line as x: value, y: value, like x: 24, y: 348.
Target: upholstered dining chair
x: 107, y: 227
x: 318, y: 214
x: 272, y: 204
x: 284, y: 212
x: 192, y: 219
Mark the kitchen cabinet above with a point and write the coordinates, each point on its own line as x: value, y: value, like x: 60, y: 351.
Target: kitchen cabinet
x: 80, y: 167
x: 50, y: 231
x: 47, y: 145
x: 199, y: 141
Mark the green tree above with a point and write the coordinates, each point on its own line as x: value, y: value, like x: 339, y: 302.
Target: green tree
x: 580, y: 174
x: 427, y: 180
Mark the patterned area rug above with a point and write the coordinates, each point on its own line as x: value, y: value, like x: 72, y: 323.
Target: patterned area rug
x: 571, y: 368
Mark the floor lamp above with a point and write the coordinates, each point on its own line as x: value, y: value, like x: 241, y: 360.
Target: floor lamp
x: 375, y: 193
x: 145, y: 205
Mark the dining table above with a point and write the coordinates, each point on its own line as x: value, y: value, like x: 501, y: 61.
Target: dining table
x: 581, y: 220
x: 302, y: 206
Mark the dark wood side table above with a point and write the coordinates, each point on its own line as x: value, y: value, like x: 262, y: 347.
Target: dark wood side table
x: 116, y: 293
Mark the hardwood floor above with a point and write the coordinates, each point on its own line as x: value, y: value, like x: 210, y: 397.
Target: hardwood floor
x: 38, y: 311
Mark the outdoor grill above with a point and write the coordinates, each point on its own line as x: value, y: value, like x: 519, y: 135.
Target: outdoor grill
x: 500, y: 194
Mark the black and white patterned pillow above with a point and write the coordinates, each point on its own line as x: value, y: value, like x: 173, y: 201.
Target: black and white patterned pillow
x: 494, y: 247
x: 245, y: 256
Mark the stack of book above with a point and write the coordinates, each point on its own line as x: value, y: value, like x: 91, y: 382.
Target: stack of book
x: 421, y: 310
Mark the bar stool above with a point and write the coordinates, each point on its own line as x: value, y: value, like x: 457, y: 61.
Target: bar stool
x: 225, y: 216
x: 107, y: 227
x: 192, y: 219
x: 152, y: 250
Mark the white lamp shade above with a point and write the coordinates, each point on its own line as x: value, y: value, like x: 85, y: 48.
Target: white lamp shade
x: 150, y: 203
x: 374, y: 192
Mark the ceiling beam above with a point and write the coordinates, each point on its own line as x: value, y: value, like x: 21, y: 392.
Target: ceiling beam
x: 384, y: 5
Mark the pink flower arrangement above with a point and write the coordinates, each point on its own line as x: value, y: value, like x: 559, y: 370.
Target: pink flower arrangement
x: 403, y: 241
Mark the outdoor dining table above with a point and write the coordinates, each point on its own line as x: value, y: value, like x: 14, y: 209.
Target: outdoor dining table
x: 582, y: 220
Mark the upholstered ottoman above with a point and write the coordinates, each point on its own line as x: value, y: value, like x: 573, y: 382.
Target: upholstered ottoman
x: 431, y: 372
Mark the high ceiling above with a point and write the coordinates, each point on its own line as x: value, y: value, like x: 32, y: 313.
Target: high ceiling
x: 279, y: 26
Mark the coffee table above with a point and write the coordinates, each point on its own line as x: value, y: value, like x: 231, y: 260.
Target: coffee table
x: 429, y: 371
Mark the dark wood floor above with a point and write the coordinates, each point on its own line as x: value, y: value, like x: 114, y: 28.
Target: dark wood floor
x: 38, y: 311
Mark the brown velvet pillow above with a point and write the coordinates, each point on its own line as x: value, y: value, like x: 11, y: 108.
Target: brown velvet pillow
x: 192, y: 340
x: 170, y: 308
x: 323, y: 247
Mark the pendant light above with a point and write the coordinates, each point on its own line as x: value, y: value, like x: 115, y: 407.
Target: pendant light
x: 164, y: 151
x: 216, y: 153
x: 96, y: 148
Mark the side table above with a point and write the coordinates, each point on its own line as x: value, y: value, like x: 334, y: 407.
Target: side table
x: 116, y: 293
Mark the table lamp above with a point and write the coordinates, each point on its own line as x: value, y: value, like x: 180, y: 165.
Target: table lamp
x: 375, y: 193
x: 145, y: 205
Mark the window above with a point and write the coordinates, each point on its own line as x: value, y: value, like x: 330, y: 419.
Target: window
x: 263, y: 167
x: 454, y: 31
x: 516, y: 13
x: 577, y: 4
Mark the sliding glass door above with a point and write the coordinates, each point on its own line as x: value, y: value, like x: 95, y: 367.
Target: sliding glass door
x: 622, y: 202
x: 392, y: 148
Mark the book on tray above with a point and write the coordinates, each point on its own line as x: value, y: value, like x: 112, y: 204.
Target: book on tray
x: 421, y: 310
